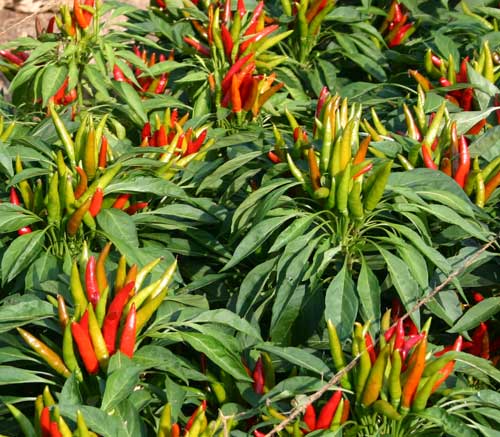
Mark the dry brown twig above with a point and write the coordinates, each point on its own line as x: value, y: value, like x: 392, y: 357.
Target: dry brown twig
x: 336, y: 378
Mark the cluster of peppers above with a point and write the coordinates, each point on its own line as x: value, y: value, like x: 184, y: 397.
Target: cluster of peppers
x: 102, y: 324
x: 12, y: 62
x: 196, y: 426
x: 48, y: 421
x: 440, y: 148
x: 335, y: 176
x: 308, y: 17
x: 396, y: 376
x: 237, y: 42
x: 141, y: 81
x: 395, y: 28
x: 178, y: 146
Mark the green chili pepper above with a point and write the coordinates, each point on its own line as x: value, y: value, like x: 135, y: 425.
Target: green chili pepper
x: 68, y: 352
x: 295, y: 170
x: 326, y: 148
x: 386, y: 409
x: 376, y: 190
x: 25, y: 425
x: 433, y: 129
x: 422, y: 396
x: 394, y: 378
x: 364, y: 365
x: 82, y: 428
x: 148, y: 309
x: 63, y: 134
x: 165, y: 424
x: 53, y: 202
x: 354, y: 201
x: 405, y: 163
x: 100, y: 309
x: 100, y: 348
x: 330, y: 200
x: 48, y: 399
x: 76, y: 218
x: 44, y: 352
x: 287, y: 7
x: 343, y: 190
x: 24, y: 187
x: 64, y: 429
x: 375, y: 379
x: 271, y: 42
x: 480, y: 190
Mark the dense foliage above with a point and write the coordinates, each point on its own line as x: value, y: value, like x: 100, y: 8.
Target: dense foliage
x: 240, y: 218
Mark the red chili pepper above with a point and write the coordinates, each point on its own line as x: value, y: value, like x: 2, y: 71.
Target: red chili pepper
x: 132, y: 209
x: 448, y: 368
x: 255, y: 18
x: 400, y: 335
x: 70, y: 97
x: 462, y: 74
x: 328, y: 411
x: 235, y: 93
x: 464, y: 165
x: 241, y: 8
x: 310, y: 417
x: 81, y: 19
x: 7, y: 54
x: 59, y: 95
x: 161, y: 4
x: 14, y: 199
x: 258, y: 433
x: 202, y: 49
x: 364, y: 170
x: 370, y: 347
x: 85, y: 348
x: 50, y: 26
x: 426, y: 154
x: 195, y: 145
x: 345, y: 411
x: 84, y: 321
x: 226, y: 15
x: 436, y: 60
x: 478, y: 297
x: 82, y: 184
x: 146, y: 130
x: 258, y: 377
x: 162, y: 84
x: 400, y: 34
x: 273, y: 157
x: 96, y: 204
x: 474, y: 130
x: 444, y: 82
x: 227, y: 41
x: 257, y: 37
x: 161, y: 137
x: 88, y: 14
x: 54, y: 430
x: 121, y: 201
x: 466, y: 100
x: 113, y: 316
x: 201, y: 407
x: 103, y: 152
x: 174, y: 117
x: 127, y: 340
x: 409, y: 344
x: 45, y: 422
x: 118, y: 74
x: 226, y: 82
x: 91, y: 282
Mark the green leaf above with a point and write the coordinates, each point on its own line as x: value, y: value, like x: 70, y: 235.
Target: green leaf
x: 70, y: 393
x: 297, y: 356
x: 227, y: 168
x: 228, y: 318
x: 449, y: 423
x: 10, y: 353
x: 369, y: 294
x: 487, y: 146
x: 129, y: 415
x: 129, y: 95
x: 17, y: 375
x: 295, y: 230
x: 119, y: 385
x: 118, y: 225
x: 20, y: 254
x: 255, y: 238
x: 405, y: 285
x: 52, y: 80
x: 14, y: 217
x: 146, y: 184
x: 481, y: 365
x: 183, y: 212
x: 341, y: 302
x: 252, y: 285
x: 217, y: 352
x: 97, y: 420
x: 478, y: 313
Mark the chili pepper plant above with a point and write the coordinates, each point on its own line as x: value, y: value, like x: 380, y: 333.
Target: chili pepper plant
x: 251, y: 218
